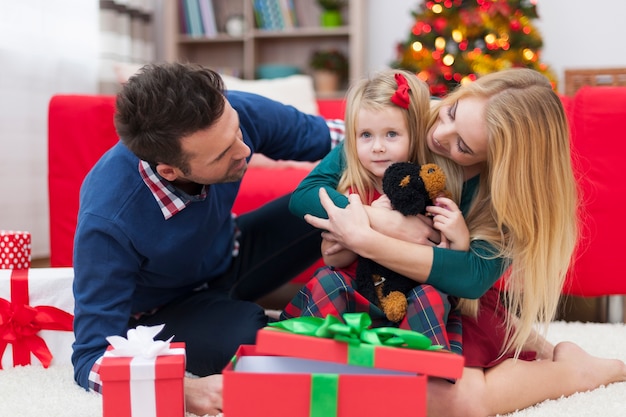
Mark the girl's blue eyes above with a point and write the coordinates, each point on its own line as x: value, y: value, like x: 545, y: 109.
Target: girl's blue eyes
x: 369, y: 135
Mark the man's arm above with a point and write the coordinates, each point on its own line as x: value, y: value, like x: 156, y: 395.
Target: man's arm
x: 279, y: 131
x: 104, y: 282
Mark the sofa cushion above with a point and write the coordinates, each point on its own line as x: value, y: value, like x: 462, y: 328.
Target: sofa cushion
x: 296, y: 90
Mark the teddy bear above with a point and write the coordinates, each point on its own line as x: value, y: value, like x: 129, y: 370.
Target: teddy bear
x: 410, y: 188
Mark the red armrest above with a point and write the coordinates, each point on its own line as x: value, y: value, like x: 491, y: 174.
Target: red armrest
x: 598, y: 149
x: 80, y: 130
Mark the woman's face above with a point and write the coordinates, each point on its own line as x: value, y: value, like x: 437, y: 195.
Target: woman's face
x: 460, y: 134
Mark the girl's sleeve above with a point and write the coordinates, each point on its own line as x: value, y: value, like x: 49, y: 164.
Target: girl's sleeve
x: 465, y: 274
x: 305, y: 198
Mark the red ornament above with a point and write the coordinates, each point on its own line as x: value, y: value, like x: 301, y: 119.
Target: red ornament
x: 515, y: 25
x: 440, y: 24
x: 417, y: 28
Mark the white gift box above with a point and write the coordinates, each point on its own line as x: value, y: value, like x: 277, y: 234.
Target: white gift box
x: 49, y: 291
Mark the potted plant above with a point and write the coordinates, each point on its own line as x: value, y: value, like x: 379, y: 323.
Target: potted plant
x: 331, y: 12
x: 330, y: 69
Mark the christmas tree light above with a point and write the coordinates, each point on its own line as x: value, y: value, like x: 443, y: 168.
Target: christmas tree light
x: 453, y: 41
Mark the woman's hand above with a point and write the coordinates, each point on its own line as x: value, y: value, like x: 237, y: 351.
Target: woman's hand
x: 417, y: 229
x: 350, y: 227
x: 344, y: 226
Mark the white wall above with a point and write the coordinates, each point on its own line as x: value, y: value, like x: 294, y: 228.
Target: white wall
x: 46, y: 47
x: 576, y: 33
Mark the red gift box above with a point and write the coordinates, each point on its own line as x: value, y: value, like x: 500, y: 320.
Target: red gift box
x: 144, y: 387
x: 286, y: 374
x: 14, y: 250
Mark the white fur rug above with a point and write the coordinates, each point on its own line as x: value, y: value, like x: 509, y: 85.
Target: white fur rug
x: 32, y: 391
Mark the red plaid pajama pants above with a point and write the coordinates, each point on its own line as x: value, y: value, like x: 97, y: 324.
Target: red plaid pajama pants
x: 331, y: 291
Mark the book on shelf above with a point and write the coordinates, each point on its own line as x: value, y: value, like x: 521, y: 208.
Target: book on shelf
x: 289, y: 13
x: 193, y: 19
x: 198, y: 18
x: 208, y: 18
x: 274, y: 14
x: 182, y: 17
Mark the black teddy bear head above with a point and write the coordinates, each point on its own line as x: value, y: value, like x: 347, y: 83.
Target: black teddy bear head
x: 411, y: 187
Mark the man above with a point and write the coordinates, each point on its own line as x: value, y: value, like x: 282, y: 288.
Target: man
x: 156, y: 242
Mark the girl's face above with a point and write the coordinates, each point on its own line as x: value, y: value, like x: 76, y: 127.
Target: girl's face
x: 382, y: 138
x: 460, y: 134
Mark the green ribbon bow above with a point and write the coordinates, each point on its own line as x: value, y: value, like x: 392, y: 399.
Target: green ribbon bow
x: 355, y: 331
x: 361, y: 341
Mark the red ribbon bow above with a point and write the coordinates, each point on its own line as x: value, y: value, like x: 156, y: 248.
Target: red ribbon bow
x: 401, y: 97
x: 20, y: 323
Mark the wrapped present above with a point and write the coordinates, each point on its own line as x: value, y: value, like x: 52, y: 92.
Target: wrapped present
x: 35, y: 316
x: 143, y: 377
x: 14, y: 250
x: 323, y: 367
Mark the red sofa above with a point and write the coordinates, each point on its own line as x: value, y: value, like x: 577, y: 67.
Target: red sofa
x: 596, y: 116
x: 81, y: 129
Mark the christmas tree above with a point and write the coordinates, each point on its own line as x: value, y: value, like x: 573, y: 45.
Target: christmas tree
x: 453, y: 41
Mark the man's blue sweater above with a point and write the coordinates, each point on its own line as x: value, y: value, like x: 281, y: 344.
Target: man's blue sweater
x: 129, y: 259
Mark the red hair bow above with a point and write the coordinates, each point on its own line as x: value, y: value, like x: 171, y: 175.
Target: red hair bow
x: 401, y: 96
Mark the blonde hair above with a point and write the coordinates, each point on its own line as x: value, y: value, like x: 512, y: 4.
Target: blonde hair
x: 526, y: 204
x: 375, y: 94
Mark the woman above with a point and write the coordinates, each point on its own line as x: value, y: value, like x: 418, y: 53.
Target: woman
x: 505, y: 145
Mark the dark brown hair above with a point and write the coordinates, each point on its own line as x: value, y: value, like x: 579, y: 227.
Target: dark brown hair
x: 163, y: 103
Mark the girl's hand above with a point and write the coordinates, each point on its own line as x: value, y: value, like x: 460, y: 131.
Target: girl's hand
x: 445, y: 243
x: 336, y: 255
x: 448, y: 219
x: 382, y: 202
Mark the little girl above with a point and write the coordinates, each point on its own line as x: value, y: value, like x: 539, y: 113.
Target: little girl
x: 386, y: 120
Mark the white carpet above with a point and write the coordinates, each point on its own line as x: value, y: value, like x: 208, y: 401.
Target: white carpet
x: 35, y: 392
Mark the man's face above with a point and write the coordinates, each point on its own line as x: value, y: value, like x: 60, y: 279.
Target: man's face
x: 217, y: 154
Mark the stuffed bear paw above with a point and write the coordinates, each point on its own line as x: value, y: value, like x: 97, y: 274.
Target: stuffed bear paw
x: 394, y: 306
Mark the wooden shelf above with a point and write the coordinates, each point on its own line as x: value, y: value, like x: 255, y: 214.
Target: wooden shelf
x: 242, y: 55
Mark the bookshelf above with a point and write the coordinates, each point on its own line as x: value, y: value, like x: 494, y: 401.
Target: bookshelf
x: 242, y: 55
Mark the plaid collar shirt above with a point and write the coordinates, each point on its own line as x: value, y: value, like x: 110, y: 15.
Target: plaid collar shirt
x: 170, y: 199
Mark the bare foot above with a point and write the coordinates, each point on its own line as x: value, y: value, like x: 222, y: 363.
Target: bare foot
x: 594, y: 370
